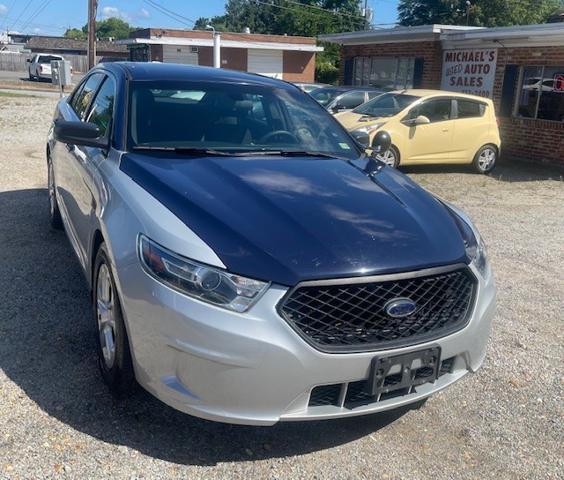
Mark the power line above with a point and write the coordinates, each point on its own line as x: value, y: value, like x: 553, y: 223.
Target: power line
x: 5, y: 20
x: 21, y: 13
x: 36, y: 13
x: 332, y: 12
x: 169, y: 13
x: 46, y: 25
x: 359, y: 21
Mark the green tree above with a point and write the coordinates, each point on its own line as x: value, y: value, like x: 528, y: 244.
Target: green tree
x: 481, y: 13
x: 110, y: 28
x: 75, y: 34
x: 299, y: 17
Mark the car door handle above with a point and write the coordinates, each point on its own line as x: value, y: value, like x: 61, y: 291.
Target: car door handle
x: 445, y: 129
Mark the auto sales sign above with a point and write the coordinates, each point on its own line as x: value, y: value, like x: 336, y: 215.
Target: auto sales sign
x: 469, y: 71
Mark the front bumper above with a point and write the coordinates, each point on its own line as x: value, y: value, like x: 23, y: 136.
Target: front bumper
x: 253, y: 368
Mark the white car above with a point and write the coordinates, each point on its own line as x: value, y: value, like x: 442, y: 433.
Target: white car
x: 40, y: 66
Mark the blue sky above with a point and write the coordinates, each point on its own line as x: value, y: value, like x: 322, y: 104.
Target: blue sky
x: 52, y: 17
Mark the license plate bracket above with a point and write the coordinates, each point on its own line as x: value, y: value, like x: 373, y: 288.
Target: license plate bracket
x: 404, y: 371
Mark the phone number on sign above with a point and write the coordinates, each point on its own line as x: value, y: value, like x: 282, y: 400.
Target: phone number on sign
x: 479, y: 93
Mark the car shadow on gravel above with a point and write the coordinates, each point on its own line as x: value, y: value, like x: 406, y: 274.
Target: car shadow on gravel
x: 506, y: 171
x: 47, y: 350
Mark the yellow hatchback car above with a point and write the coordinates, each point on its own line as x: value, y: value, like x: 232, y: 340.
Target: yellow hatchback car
x: 429, y: 126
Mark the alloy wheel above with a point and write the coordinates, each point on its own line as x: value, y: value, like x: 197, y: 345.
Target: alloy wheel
x: 486, y: 159
x: 105, y: 314
x: 388, y: 157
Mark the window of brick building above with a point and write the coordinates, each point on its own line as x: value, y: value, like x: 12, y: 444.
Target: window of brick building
x: 541, y: 93
x: 387, y: 73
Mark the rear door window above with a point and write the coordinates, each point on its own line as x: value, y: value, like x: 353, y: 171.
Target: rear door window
x: 48, y: 58
x: 81, y: 100
x: 470, y: 109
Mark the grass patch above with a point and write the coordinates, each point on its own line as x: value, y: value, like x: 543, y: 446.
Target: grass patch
x: 16, y: 95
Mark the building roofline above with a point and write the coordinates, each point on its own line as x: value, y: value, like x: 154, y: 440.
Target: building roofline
x: 546, y: 34
x: 392, y: 35
x: 208, y: 42
x: 452, y: 35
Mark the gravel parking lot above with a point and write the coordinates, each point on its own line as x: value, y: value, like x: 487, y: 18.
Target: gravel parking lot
x: 57, y: 419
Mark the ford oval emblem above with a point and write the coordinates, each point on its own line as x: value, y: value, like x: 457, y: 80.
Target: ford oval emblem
x: 400, y: 307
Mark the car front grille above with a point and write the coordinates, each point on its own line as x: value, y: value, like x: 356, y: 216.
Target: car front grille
x: 350, y: 315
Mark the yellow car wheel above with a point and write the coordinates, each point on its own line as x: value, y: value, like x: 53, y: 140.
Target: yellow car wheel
x: 390, y: 157
x: 485, y: 159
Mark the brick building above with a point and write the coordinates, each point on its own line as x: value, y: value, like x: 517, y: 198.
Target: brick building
x: 521, y: 68
x: 280, y: 56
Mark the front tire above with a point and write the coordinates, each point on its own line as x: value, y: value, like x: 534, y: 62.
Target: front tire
x: 485, y: 159
x: 114, y: 356
x: 390, y: 157
x: 54, y: 212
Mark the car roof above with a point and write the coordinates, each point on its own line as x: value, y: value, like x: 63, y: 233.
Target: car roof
x: 347, y: 88
x: 148, y: 71
x: 427, y: 93
x: 312, y: 83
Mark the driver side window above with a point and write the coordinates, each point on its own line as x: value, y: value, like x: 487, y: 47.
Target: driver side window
x: 102, y: 109
x: 81, y: 100
x: 435, y: 110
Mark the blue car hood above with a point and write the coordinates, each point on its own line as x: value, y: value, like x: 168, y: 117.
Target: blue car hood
x: 287, y: 220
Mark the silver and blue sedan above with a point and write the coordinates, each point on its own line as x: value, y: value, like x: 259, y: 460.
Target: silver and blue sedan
x: 248, y: 262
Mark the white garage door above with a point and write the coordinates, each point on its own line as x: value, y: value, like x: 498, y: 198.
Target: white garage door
x: 265, y: 62
x: 179, y: 54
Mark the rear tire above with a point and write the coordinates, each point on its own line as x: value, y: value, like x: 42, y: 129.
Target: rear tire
x: 114, y: 355
x: 485, y: 159
x: 54, y: 212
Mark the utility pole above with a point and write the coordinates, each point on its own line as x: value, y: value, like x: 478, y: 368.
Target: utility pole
x: 92, y: 7
x: 468, y: 5
x: 365, y: 14
x: 216, y: 46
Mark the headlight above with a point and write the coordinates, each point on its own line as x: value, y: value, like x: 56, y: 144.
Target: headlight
x: 200, y: 281
x: 369, y: 128
x: 473, y: 242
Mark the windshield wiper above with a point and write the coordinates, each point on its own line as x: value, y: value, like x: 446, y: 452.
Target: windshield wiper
x: 286, y: 153
x: 247, y: 153
x: 184, y: 150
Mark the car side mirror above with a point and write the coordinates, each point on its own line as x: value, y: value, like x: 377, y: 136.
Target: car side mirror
x: 28, y: 60
x: 337, y: 108
x: 79, y: 133
x: 382, y: 142
x: 419, y: 120
x: 361, y: 137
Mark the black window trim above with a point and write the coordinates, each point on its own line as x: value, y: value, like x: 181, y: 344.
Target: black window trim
x: 396, y: 58
x: 74, y: 93
x: 516, y: 99
x: 454, y: 107
x: 81, y: 86
x: 107, y: 74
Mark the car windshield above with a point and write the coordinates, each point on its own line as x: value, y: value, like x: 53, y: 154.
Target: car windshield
x: 386, y: 105
x: 326, y: 95
x: 232, y: 118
